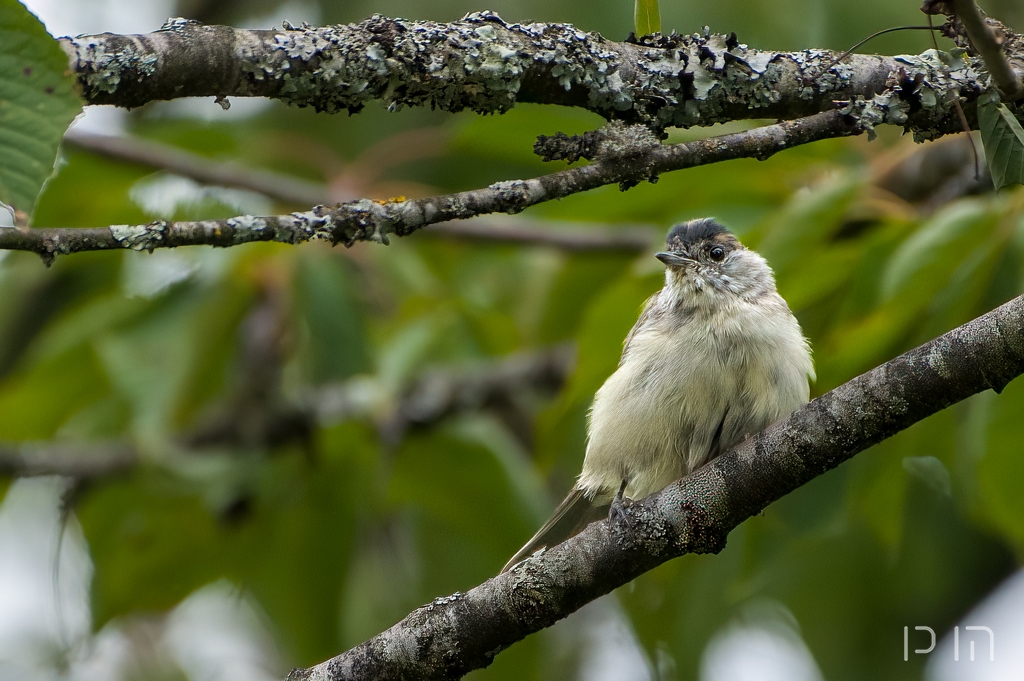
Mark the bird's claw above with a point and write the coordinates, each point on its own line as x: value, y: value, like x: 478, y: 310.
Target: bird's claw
x: 617, y: 509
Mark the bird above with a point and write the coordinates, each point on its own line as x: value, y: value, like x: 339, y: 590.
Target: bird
x: 715, y: 356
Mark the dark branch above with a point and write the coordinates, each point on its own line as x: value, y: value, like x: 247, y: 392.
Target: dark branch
x: 81, y: 462
x: 581, y: 237
x: 456, y: 634
x: 279, y: 186
x: 439, y: 393
x: 487, y: 65
x: 433, y: 396
x: 626, y: 158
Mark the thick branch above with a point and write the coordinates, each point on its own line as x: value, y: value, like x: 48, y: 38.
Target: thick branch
x: 456, y: 634
x: 484, y: 64
x: 626, y: 156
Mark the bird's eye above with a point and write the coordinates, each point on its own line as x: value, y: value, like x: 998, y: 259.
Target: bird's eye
x: 717, y: 253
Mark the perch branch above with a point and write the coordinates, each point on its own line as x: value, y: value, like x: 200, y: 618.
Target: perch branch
x: 464, y: 631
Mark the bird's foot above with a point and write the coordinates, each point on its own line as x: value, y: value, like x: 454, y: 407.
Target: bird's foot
x: 617, y: 509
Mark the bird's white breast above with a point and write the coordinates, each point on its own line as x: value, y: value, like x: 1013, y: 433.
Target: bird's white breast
x: 742, y: 365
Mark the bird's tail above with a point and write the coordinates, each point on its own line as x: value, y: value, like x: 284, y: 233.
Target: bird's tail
x: 570, y: 518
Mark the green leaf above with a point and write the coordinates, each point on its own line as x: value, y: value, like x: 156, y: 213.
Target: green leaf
x: 1003, y: 139
x: 923, y: 263
x: 37, y: 104
x: 647, y: 17
x: 329, y: 308
x: 152, y: 543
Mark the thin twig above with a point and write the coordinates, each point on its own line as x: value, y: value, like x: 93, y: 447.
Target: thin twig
x: 569, y: 236
x: 961, y: 115
x: 874, y: 35
x: 581, y: 237
x: 624, y: 161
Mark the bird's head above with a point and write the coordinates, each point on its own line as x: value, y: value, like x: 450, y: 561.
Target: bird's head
x: 707, y: 265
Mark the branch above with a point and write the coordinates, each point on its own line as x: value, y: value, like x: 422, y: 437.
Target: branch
x: 279, y: 186
x: 487, y: 65
x: 582, y: 237
x: 624, y: 155
x: 456, y: 634
x: 433, y: 396
x: 81, y: 462
x: 430, y: 397
x: 288, y: 189
x: 988, y: 46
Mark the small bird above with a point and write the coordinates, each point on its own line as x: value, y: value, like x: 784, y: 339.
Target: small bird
x: 715, y: 356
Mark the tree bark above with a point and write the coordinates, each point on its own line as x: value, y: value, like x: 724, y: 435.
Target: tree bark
x: 488, y: 65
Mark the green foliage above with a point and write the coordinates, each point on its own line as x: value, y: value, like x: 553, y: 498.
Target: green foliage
x: 646, y: 17
x: 37, y: 104
x: 1003, y: 138
x: 339, y: 532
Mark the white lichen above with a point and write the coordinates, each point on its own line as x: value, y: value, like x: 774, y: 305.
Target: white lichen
x: 139, y: 237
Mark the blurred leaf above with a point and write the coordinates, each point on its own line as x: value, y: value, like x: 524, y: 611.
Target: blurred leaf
x: 580, y: 279
x: 37, y: 104
x: 924, y: 262
x: 1001, y: 469
x: 37, y: 400
x: 483, y: 506
x: 823, y: 273
x: 930, y: 471
x: 646, y: 17
x: 149, y: 359
x: 809, y: 219
x: 296, y: 550
x: 1003, y: 139
x: 152, y: 544
x: 328, y: 306
x: 90, y: 191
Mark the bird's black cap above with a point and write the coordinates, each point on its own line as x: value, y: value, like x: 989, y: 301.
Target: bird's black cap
x: 684, y: 235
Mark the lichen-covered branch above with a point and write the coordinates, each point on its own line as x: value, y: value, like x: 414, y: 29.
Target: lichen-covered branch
x: 569, y: 236
x: 624, y: 155
x: 990, y: 39
x: 486, y: 64
x: 456, y: 634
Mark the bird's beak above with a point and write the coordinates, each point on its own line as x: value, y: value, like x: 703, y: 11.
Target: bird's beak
x: 673, y: 259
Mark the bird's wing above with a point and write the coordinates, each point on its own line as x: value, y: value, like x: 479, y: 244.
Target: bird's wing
x: 569, y: 519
